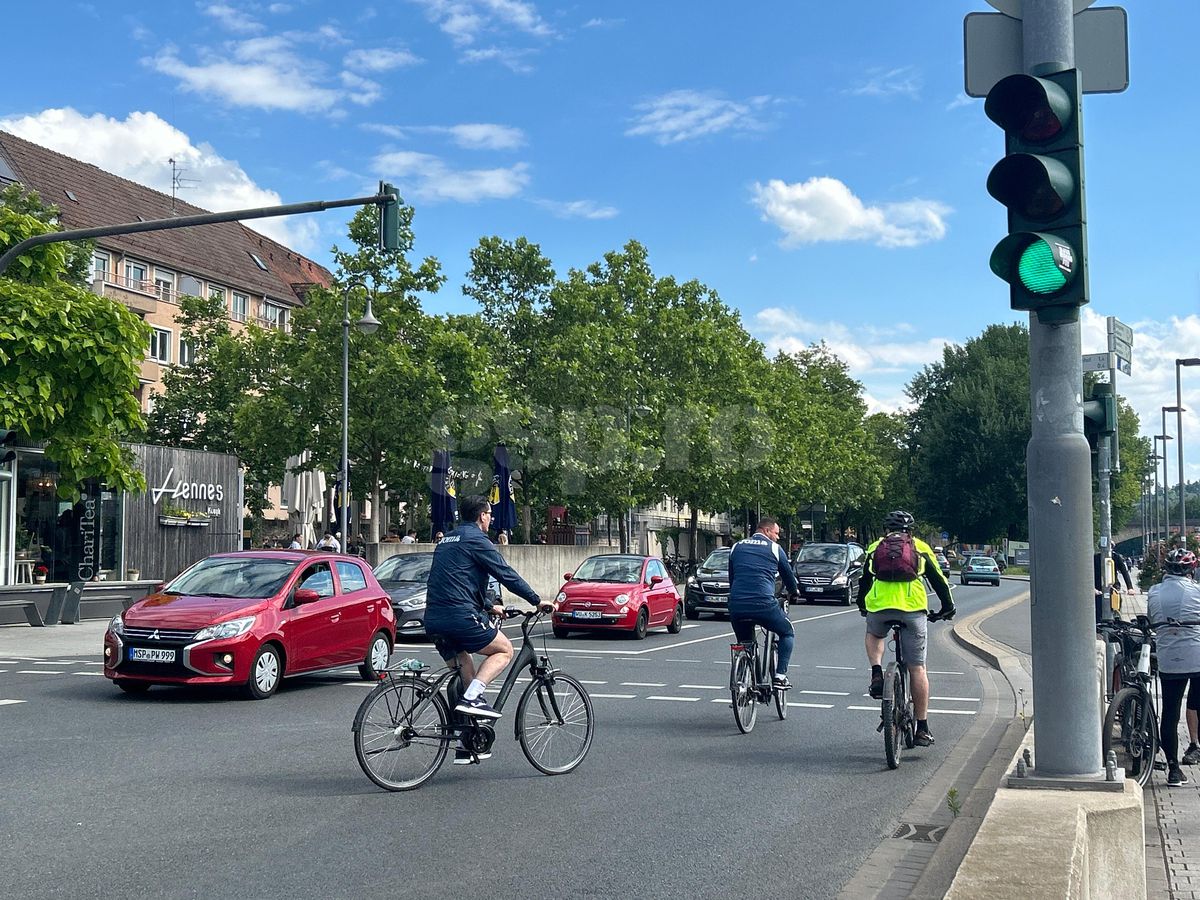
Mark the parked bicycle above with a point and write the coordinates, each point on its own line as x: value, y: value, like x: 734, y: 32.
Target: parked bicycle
x: 1131, y: 723
x: 679, y: 567
x: 404, y: 728
x: 751, y: 679
x: 897, y: 720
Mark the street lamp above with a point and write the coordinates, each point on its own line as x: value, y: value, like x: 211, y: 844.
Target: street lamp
x: 1163, y: 456
x: 1179, y: 364
x: 640, y: 410
x: 1166, y: 481
x: 367, y: 325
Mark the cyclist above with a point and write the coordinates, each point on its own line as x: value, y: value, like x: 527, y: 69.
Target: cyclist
x: 892, y: 588
x: 1176, y: 599
x: 457, y: 613
x: 753, y: 565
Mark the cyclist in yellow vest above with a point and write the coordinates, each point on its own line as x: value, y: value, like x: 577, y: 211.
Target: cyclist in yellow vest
x: 899, y: 593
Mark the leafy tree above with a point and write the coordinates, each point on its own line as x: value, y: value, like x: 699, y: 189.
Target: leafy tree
x: 69, y: 361
x: 889, y: 443
x: 76, y: 259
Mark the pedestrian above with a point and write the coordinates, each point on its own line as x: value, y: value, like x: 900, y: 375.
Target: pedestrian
x: 1173, y: 607
x: 329, y: 542
x: 410, y: 537
x: 502, y: 538
x: 437, y: 538
x: 266, y: 544
x: 295, y: 544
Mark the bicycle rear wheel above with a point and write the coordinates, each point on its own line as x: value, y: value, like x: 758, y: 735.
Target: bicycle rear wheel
x: 743, y: 692
x: 772, y: 668
x: 1131, y: 731
x: 401, y: 734
x: 892, y: 718
x: 555, y: 724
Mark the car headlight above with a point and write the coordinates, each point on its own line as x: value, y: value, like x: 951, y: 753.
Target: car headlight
x: 691, y: 580
x: 621, y: 598
x: 117, y: 625
x: 840, y: 579
x: 562, y: 595
x: 416, y: 601
x: 224, y: 630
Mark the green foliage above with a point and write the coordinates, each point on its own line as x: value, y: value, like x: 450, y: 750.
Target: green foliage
x: 70, y: 262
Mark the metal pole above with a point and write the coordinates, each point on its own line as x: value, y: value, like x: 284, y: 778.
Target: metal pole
x: 1058, y: 461
x: 1104, y: 466
x: 1166, y: 481
x: 1179, y: 449
x: 1157, y: 512
x: 344, y: 517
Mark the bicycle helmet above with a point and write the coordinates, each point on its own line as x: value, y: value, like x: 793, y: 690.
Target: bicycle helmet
x: 898, y: 520
x: 1180, y: 562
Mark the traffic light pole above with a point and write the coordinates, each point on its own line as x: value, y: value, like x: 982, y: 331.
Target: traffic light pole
x: 1065, y: 687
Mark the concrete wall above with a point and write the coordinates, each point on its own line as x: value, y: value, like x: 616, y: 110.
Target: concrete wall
x: 542, y: 565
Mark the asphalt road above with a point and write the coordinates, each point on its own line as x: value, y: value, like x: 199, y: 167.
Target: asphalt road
x: 190, y: 793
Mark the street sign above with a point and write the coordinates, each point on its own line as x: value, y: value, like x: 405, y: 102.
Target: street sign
x: 1120, y: 347
x: 1120, y: 329
x: 1099, y: 362
x: 945, y: 535
x: 1124, y: 365
x: 993, y: 49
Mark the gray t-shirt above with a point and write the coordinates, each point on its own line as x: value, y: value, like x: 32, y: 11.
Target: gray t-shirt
x: 1178, y: 647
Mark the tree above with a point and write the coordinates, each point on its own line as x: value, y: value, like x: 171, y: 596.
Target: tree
x: 69, y: 361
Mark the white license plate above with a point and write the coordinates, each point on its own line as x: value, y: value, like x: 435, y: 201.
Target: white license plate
x: 587, y: 614
x: 816, y: 590
x: 145, y: 654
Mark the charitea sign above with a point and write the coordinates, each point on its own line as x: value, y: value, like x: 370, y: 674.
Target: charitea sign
x: 186, y: 490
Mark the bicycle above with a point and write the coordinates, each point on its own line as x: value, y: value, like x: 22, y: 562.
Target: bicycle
x: 405, y: 726
x: 897, y: 721
x: 679, y: 567
x: 1131, y: 722
x: 751, y: 677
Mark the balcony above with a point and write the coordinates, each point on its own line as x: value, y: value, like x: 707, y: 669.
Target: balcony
x: 140, y: 296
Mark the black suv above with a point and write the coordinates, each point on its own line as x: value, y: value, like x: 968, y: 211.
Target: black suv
x: 708, y: 589
x: 829, y: 571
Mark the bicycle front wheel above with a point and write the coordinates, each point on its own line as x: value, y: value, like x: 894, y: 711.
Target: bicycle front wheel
x: 1131, y: 731
x: 555, y: 724
x: 891, y: 712
x: 744, y: 693
x: 401, y: 734
x: 780, y: 693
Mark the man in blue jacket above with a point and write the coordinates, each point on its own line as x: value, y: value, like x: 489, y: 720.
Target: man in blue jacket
x: 753, y: 565
x: 457, y: 613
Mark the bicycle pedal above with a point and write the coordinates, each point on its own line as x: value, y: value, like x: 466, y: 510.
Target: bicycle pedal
x: 879, y: 728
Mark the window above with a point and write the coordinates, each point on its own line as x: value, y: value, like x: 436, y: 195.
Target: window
x: 71, y: 196
x: 274, y: 315
x: 318, y: 578
x: 241, y: 307
x: 164, y: 284
x: 216, y: 293
x: 351, y: 577
x: 190, y: 286
x: 258, y: 261
x: 160, y: 346
x: 186, y: 353
x: 100, y: 264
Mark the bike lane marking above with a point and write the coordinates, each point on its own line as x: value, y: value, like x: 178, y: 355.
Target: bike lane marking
x: 677, y: 699
x: 10, y: 702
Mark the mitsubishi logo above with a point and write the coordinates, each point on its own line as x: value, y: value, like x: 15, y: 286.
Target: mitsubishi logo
x: 154, y: 635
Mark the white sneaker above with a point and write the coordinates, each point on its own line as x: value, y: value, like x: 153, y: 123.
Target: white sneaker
x: 781, y: 681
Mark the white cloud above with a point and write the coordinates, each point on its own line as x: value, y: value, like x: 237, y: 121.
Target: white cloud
x: 362, y: 91
x: 959, y: 102
x: 578, y: 209
x: 470, y: 136
x: 901, y: 82
x: 138, y: 148
x: 379, y: 60
x: 824, y: 209
x: 506, y: 56
x: 465, y: 20
x: 233, y: 19
x: 603, y: 23
x: 428, y: 178
x: 685, y: 115
x: 278, y: 8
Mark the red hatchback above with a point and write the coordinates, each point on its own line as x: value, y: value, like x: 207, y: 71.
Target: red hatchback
x: 618, y: 591
x: 251, y: 619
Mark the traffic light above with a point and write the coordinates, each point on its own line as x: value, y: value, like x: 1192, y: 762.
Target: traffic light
x: 389, y: 218
x: 1100, y: 416
x: 1040, y: 181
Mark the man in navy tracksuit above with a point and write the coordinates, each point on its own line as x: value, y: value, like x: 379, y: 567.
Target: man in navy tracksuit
x: 753, y: 565
x: 457, y: 615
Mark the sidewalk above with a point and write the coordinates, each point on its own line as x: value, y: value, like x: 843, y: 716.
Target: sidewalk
x: 85, y: 638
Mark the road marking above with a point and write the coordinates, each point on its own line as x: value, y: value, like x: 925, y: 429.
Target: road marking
x: 866, y: 708
x: 8, y: 662
x: 39, y: 672
x: 677, y: 699
x: 690, y: 626
x: 959, y: 699
x: 643, y: 684
x: 581, y: 681
x: 682, y: 660
x: 812, y: 705
x: 10, y: 702
x: 628, y: 659
x: 954, y: 712
x: 842, y: 668
x: 93, y: 674
x: 369, y: 684
x: 584, y: 657
x: 932, y: 672
x: 58, y: 662
x: 93, y: 663
x: 612, y: 696
x: 703, y: 687
x: 828, y: 693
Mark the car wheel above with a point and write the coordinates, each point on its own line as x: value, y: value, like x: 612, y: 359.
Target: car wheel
x: 377, y: 657
x: 132, y: 687
x: 643, y: 621
x: 559, y: 632
x: 676, y: 625
x: 692, y: 614
x: 265, y: 673
x: 962, y: 581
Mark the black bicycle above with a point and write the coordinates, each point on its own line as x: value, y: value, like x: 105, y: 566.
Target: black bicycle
x: 897, y: 721
x: 751, y: 677
x: 405, y: 726
x: 679, y: 567
x: 1131, y: 722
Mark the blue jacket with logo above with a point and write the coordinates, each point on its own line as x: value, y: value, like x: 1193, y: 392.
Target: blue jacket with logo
x: 458, y: 578
x: 753, y: 565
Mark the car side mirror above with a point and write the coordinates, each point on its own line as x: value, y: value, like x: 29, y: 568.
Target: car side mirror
x: 567, y: 576
x: 655, y: 579
x: 305, y: 595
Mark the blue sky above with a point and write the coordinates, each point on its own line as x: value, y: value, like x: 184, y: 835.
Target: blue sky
x: 816, y: 163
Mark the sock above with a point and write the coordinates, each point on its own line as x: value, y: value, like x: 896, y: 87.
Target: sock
x: 474, y: 689
x: 922, y: 724
x: 876, y: 670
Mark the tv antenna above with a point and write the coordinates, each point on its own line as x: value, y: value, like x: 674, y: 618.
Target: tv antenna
x: 178, y: 182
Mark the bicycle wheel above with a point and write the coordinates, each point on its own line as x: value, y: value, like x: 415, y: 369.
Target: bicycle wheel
x: 892, y: 718
x: 1131, y: 730
x: 555, y: 724
x: 908, y: 718
x: 772, y: 668
x: 401, y: 734
x: 744, y: 693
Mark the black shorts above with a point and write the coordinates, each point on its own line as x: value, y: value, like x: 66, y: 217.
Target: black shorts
x: 467, y: 634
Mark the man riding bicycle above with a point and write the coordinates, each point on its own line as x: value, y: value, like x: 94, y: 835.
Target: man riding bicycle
x: 753, y: 565
x: 892, y: 588
x: 457, y: 612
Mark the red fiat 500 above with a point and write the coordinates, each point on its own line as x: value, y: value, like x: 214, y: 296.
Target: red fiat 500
x: 251, y: 619
x: 618, y: 591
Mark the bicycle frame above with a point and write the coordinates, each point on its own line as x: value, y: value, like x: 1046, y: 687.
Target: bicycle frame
x: 889, y: 686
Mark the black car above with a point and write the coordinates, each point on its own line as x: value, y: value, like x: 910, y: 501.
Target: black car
x: 829, y: 571
x: 404, y: 577
x: 708, y: 589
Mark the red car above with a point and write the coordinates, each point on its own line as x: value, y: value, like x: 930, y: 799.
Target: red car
x: 252, y: 619
x: 618, y: 591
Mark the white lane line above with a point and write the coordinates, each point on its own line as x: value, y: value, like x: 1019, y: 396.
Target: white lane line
x: 57, y: 662
x: 367, y: 684
x: 10, y: 702
x: 866, y: 708
x: 682, y: 660
x: 841, y: 668
x: 8, y: 662
x: 828, y: 693
x: 959, y: 699
x: 677, y: 699
x: 704, y: 687
x: 584, y: 657
x: 93, y: 663
x: 581, y: 681
x: 954, y: 712
x: 39, y: 672
x: 611, y: 696
x: 93, y: 674
x: 643, y: 684
x: 628, y: 659
x: 2, y: 671
x: 812, y: 705
x: 932, y: 672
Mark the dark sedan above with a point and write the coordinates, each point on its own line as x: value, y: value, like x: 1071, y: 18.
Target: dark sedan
x: 708, y: 589
x: 829, y: 571
x: 404, y: 577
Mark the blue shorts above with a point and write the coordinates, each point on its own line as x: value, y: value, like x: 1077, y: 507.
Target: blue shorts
x: 464, y: 634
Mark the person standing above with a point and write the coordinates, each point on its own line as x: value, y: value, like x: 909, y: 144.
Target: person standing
x: 1173, y: 607
x: 410, y: 537
x: 295, y: 544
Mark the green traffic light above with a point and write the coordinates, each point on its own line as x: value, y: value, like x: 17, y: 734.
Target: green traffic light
x: 1039, y: 270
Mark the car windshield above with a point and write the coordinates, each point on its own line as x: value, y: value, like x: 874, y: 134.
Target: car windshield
x: 983, y: 562
x: 616, y: 569
x: 718, y: 561
x: 825, y: 553
x: 405, y: 567
x: 243, y: 577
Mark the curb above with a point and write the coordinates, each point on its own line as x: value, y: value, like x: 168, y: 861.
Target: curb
x: 969, y: 634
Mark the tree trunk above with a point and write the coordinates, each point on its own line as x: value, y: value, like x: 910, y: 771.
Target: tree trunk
x: 693, y: 527
x: 623, y: 533
x: 375, y: 513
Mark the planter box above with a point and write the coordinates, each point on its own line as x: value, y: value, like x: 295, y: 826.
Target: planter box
x: 172, y: 520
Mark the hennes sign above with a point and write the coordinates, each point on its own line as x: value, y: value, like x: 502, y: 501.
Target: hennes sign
x: 187, y: 490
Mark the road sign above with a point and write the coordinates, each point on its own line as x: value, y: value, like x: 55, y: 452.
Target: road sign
x: 1120, y: 329
x: 1120, y: 347
x: 1099, y: 362
x: 945, y: 535
x: 993, y: 49
x: 1124, y: 366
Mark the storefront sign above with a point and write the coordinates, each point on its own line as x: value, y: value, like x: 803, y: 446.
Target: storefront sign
x: 87, y: 539
x: 187, y: 490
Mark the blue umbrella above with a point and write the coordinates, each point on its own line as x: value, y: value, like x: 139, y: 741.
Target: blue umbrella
x: 442, y: 505
x: 504, y: 509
